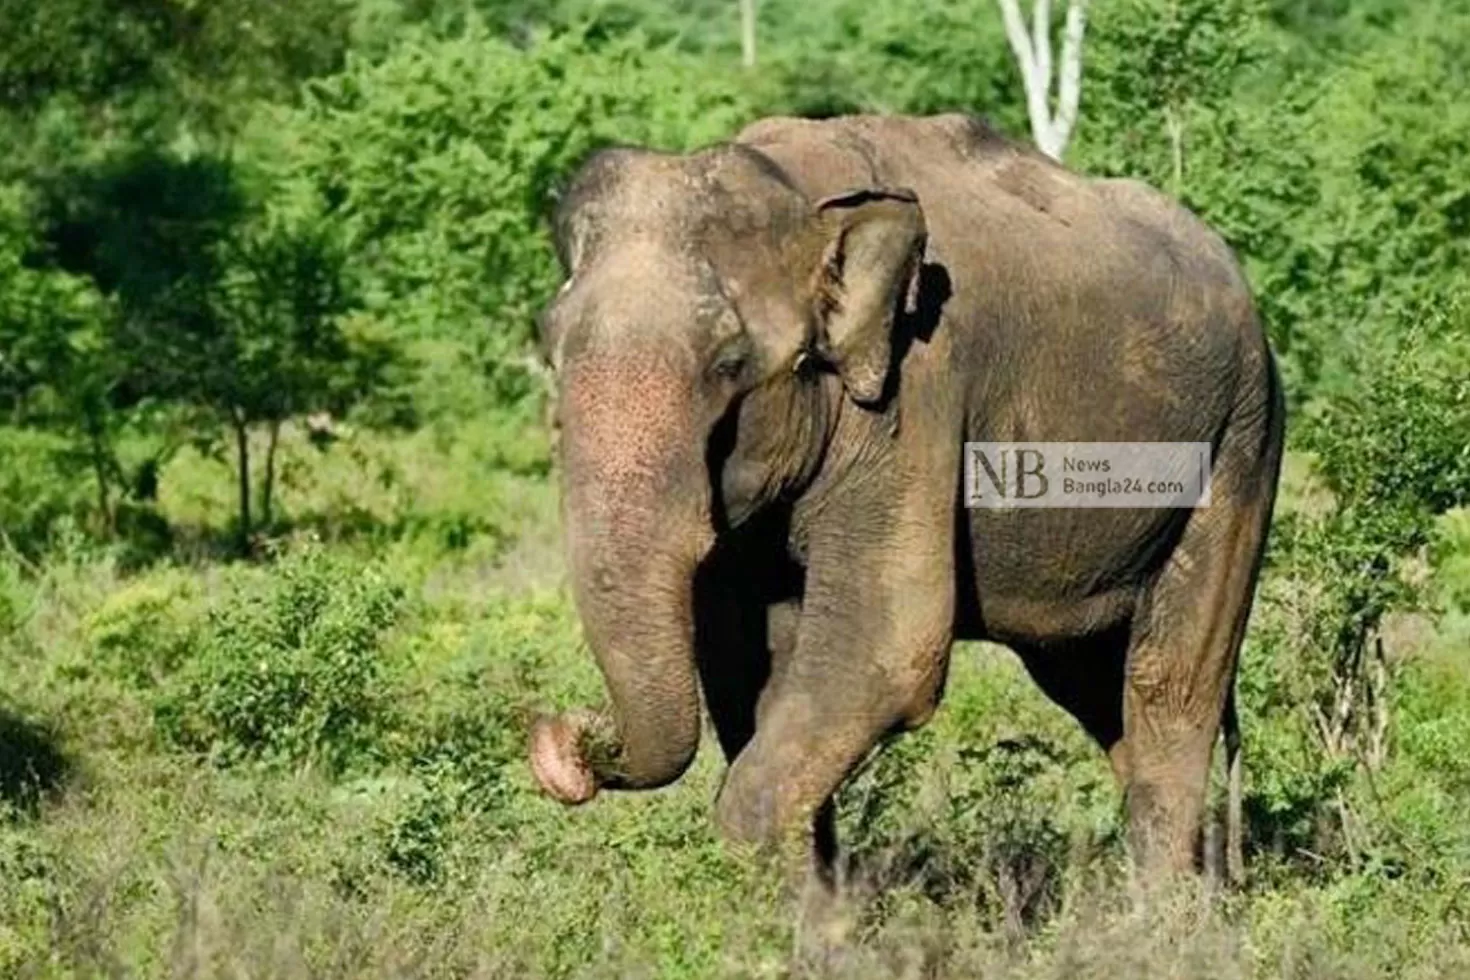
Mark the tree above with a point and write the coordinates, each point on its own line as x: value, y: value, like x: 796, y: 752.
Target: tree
x: 1051, y: 127
x: 1170, y: 60
x: 206, y: 59
x: 747, y: 33
x: 230, y: 317
x: 54, y: 370
x: 285, y: 346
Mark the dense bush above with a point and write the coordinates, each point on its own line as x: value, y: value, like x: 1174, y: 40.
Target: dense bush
x: 40, y: 493
x: 1319, y: 686
x: 291, y: 672
x: 143, y: 633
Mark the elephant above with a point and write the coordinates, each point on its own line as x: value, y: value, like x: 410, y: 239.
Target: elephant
x: 769, y: 356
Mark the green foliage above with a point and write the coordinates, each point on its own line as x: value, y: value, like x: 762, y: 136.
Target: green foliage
x: 282, y: 290
x: 47, y: 321
x: 113, y: 48
x: 439, y: 165
x: 1398, y: 440
x: 12, y: 611
x: 141, y: 633
x: 165, y: 59
x: 223, y: 319
x: 1319, y: 686
x: 53, y: 381
x: 290, y: 673
x: 1451, y: 559
x: 1006, y: 811
x: 848, y: 56
x: 1161, y: 56
x: 39, y: 490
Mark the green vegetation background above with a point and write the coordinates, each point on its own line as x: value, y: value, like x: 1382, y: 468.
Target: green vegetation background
x: 279, y: 573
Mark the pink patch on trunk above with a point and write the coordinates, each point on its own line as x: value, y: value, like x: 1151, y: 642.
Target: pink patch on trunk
x: 557, y: 763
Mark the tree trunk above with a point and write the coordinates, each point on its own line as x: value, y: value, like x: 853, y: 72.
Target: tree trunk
x: 268, y: 488
x: 747, y: 33
x: 242, y: 450
x: 1175, y: 126
x: 1033, y: 50
x: 98, y: 451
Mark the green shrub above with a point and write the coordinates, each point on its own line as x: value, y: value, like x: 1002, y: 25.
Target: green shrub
x: 1319, y: 690
x: 144, y: 631
x: 39, y: 490
x: 1452, y: 559
x: 292, y: 670
x: 13, y: 601
x: 994, y: 807
x: 415, y: 834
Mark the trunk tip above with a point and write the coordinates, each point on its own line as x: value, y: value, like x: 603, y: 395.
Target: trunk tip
x: 557, y: 760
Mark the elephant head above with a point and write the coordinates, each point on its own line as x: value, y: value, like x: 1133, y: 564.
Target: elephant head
x: 712, y: 323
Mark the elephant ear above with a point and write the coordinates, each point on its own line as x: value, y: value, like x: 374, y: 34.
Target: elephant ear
x: 872, y: 243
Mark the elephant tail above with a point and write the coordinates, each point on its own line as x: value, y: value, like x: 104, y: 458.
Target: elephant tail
x: 1234, y: 807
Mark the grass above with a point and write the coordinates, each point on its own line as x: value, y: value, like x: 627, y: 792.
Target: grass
x: 220, y: 770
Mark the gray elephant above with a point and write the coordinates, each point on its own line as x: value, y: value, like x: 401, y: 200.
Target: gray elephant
x: 770, y: 355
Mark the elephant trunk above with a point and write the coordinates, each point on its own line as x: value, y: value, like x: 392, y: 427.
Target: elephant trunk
x: 637, y: 525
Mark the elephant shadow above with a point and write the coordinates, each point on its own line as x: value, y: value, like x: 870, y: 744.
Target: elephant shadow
x: 32, y: 763
x: 920, y: 317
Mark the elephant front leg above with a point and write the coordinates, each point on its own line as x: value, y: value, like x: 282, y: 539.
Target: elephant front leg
x: 872, y: 638
x: 861, y: 666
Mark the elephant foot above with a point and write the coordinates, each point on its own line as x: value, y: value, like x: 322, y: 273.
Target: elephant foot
x: 826, y: 927
x: 558, y: 761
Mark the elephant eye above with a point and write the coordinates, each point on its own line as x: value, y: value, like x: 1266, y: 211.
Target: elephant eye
x: 729, y: 368
x: 730, y: 361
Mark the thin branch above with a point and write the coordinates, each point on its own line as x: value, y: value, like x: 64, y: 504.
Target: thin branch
x: 1071, y: 71
x: 1175, y: 128
x: 19, y: 556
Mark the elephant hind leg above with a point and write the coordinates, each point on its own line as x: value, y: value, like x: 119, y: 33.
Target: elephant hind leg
x: 1180, y: 674
x: 1086, y: 679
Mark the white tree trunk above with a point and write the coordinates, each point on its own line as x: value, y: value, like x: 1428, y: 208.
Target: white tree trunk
x: 747, y: 33
x: 1050, y: 127
x: 1175, y: 127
